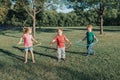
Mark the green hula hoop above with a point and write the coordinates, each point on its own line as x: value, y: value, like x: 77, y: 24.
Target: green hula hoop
x: 80, y: 43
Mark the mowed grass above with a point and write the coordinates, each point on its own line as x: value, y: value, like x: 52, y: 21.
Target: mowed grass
x: 104, y: 65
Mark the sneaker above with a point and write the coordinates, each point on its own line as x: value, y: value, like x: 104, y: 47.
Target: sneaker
x: 87, y: 54
x: 93, y: 53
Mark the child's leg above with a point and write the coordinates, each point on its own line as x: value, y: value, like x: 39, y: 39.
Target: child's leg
x: 32, y: 55
x: 88, y: 50
x: 63, y: 53
x: 26, y: 56
x: 59, y: 53
x: 92, y: 51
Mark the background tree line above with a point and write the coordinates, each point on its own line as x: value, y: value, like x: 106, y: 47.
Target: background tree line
x: 52, y: 18
x: 19, y: 17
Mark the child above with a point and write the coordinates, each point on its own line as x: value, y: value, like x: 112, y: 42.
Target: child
x: 60, y: 39
x: 90, y: 36
x: 28, y: 43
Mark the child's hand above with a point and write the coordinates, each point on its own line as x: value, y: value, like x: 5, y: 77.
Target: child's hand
x: 36, y: 41
x: 50, y: 44
x: 19, y: 42
x: 84, y: 38
x: 70, y: 43
x: 97, y: 40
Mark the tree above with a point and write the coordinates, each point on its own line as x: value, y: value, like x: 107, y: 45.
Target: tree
x: 33, y: 7
x: 110, y: 17
x: 13, y: 2
x: 4, y: 5
x: 3, y: 13
x: 97, y: 5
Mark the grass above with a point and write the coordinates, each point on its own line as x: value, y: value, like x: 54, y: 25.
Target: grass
x: 104, y: 65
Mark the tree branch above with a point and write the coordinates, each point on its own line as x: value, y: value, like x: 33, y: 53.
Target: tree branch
x: 42, y: 8
x: 28, y: 12
x: 98, y: 11
x: 38, y: 11
x: 26, y: 9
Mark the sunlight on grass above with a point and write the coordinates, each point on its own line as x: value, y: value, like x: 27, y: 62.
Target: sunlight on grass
x: 104, y: 65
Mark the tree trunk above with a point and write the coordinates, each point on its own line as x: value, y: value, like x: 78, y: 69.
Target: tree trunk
x: 101, y: 24
x: 101, y: 18
x: 34, y: 22
x: 34, y: 27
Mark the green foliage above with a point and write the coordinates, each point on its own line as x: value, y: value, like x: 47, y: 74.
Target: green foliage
x: 83, y: 14
x: 92, y: 9
x: 3, y: 13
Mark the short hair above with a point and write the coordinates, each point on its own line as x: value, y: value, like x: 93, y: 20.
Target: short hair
x: 60, y: 29
x: 89, y: 26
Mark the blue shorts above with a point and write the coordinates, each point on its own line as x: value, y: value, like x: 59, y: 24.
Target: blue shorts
x: 28, y: 48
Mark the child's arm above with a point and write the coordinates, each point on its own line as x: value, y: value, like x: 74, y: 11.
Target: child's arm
x: 70, y: 44
x: 20, y: 41
x: 84, y: 38
x: 51, y: 43
x: 95, y: 38
x: 34, y: 40
x: 67, y: 40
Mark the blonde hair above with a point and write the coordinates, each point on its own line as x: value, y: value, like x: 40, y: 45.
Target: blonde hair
x: 89, y: 26
x: 26, y: 30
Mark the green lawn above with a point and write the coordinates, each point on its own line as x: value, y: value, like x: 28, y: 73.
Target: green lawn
x: 104, y: 65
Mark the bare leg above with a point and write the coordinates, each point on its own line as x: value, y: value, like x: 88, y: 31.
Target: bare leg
x: 26, y: 56
x: 32, y: 55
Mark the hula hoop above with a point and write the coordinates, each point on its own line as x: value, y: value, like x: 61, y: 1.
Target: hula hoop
x: 54, y: 49
x: 80, y: 43
x: 49, y: 49
x: 34, y: 45
x: 37, y: 44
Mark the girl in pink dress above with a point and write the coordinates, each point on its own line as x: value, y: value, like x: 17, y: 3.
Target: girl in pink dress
x: 28, y: 43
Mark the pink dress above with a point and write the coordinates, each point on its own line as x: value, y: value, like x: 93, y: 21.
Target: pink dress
x: 27, y: 40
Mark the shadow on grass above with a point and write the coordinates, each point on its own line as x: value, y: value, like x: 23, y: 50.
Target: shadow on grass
x: 2, y: 65
x: 38, y: 53
x: 70, y: 74
x: 79, y: 53
x: 11, y: 54
x: 8, y: 34
x: 72, y: 52
x: 11, y: 36
x: 62, y: 72
x: 46, y: 55
x: 12, y: 28
x: 50, y: 30
x: 21, y: 49
x: 2, y: 33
